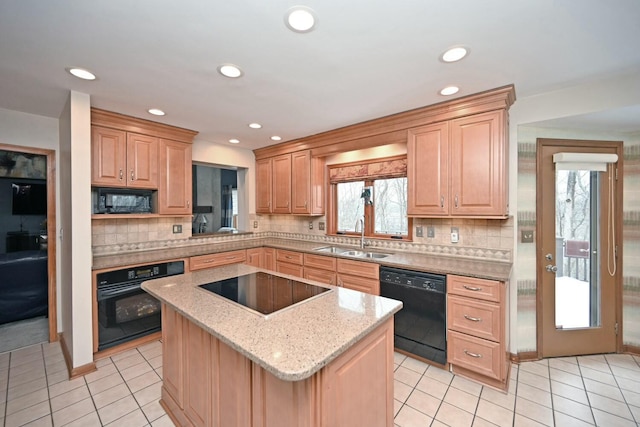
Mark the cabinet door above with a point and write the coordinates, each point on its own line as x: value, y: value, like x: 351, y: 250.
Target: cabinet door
x: 174, y: 189
x: 269, y: 259
x: 142, y: 161
x: 172, y: 354
x: 292, y: 269
x: 322, y: 276
x: 281, y: 184
x: 264, y: 182
x: 428, y: 170
x: 255, y: 257
x: 479, y: 165
x: 197, y: 375
x: 301, y: 182
x: 109, y: 157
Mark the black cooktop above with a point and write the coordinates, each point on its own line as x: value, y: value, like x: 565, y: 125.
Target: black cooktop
x: 263, y: 292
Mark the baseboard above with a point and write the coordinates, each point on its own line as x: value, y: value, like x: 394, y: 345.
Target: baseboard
x: 78, y: 371
x: 631, y: 349
x: 127, y: 346
x: 525, y: 356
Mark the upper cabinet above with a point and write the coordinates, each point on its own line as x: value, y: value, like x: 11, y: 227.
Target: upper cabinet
x: 128, y: 152
x: 290, y: 184
x: 174, y: 189
x: 123, y: 159
x: 459, y: 167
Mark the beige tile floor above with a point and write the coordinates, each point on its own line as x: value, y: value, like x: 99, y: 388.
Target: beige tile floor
x: 124, y: 391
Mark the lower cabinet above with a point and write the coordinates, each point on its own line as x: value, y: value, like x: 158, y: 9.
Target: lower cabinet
x: 359, y: 276
x: 477, y: 332
x: 207, y: 383
x: 200, y: 262
x: 289, y: 262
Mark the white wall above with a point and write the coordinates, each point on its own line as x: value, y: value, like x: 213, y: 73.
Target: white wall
x: 29, y: 130
x: 75, y: 227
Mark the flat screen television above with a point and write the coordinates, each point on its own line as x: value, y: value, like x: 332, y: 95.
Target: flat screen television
x: 29, y: 198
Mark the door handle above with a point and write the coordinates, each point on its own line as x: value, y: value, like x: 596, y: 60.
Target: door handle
x: 551, y: 268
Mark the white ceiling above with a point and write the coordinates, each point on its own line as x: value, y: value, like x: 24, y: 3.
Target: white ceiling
x: 365, y: 59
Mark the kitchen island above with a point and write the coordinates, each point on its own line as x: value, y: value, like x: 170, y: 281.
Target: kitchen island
x: 324, y: 361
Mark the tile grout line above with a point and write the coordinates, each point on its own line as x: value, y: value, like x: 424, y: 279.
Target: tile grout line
x: 129, y: 388
x: 624, y: 399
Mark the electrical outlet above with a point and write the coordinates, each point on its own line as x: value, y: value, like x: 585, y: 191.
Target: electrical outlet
x: 255, y: 224
x: 310, y: 225
x: 455, y: 235
x: 321, y: 226
x: 419, y: 231
x: 431, y: 231
x: 177, y: 228
x: 526, y: 236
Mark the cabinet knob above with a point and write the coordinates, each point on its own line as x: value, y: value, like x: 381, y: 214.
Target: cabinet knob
x: 132, y: 176
x: 121, y: 174
x: 188, y: 203
x: 455, y: 201
x: 442, y: 201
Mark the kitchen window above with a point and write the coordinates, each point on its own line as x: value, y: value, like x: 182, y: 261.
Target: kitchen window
x: 374, y: 190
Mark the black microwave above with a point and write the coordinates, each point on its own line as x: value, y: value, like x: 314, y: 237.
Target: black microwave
x: 123, y: 201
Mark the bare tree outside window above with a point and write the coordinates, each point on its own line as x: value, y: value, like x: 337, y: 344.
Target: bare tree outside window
x: 350, y: 205
x: 390, y: 204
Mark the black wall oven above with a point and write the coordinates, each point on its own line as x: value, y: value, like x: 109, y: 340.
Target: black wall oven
x: 420, y: 328
x: 125, y: 310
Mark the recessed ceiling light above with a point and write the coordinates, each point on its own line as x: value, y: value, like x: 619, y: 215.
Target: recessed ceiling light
x: 156, y: 112
x: 234, y: 141
x: 255, y: 125
x: 81, y: 73
x: 300, y: 19
x: 449, y: 90
x: 276, y: 138
x: 230, y: 70
x: 454, y: 54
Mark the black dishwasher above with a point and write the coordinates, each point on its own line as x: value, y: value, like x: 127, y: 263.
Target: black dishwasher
x: 420, y: 327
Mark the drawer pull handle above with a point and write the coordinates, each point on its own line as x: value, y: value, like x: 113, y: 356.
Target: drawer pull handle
x: 476, y: 355
x: 287, y: 257
x: 473, y: 319
x: 231, y: 257
x: 207, y: 261
x: 472, y: 288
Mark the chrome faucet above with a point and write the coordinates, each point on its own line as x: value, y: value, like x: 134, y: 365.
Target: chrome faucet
x: 360, y: 222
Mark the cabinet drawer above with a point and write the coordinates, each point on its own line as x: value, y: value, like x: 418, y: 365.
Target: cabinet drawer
x: 322, y: 276
x: 320, y: 261
x: 359, y: 283
x: 289, y: 256
x: 216, y: 260
x: 473, y: 317
x: 488, y: 290
x: 358, y: 268
x: 292, y: 269
x: 475, y: 354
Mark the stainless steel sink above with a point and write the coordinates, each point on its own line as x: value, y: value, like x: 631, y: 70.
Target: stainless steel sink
x: 330, y: 249
x: 354, y: 253
x: 375, y: 255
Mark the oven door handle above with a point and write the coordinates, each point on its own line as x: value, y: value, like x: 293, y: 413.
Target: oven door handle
x: 104, y: 294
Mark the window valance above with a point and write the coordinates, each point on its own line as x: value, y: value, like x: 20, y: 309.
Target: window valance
x: 383, y: 168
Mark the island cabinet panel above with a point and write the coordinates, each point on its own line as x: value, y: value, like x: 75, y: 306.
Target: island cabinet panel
x: 230, y: 398
x: 172, y: 355
x: 200, y: 262
x: 357, y: 388
x: 174, y: 188
x: 459, y: 167
x: 197, y: 375
x: 208, y: 383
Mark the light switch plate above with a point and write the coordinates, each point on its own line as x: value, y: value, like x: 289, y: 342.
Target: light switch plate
x: 177, y: 228
x: 455, y: 235
x: 419, y: 231
x: 431, y: 231
x: 526, y: 236
x: 310, y: 225
x: 255, y: 224
x: 321, y: 226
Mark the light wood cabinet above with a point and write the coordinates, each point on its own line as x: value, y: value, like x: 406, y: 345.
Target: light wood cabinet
x: 200, y: 262
x: 290, y: 183
x: 477, y: 324
x: 255, y: 257
x: 459, y: 167
x: 320, y: 268
x: 174, y: 189
x: 359, y: 276
x: 123, y: 159
x: 206, y: 382
x: 269, y: 259
x: 289, y: 262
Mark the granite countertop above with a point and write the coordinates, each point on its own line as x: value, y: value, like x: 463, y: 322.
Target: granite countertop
x: 439, y: 264
x: 293, y: 343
